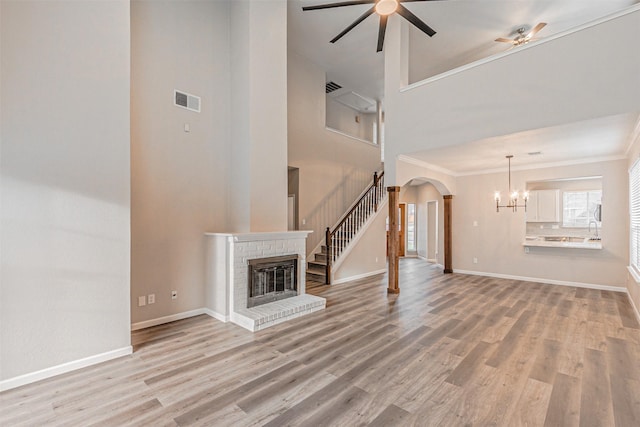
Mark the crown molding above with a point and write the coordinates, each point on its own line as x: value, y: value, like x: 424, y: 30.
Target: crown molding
x: 423, y: 164
x: 497, y: 56
x: 635, y: 136
x: 430, y: 166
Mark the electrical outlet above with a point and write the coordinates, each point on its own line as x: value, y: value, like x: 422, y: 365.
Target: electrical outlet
x: 475, y: 260
x: 142, y: 301
x: 174, y: 294
x: 151, y: 298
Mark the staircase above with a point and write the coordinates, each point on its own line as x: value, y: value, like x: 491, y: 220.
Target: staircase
x: 317, y: 268
x: 338, y: 237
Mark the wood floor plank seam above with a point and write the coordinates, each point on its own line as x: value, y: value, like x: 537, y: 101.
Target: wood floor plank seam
x: 448, y: 350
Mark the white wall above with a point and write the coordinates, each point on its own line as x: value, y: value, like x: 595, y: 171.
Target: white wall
x: 258, y: 200
x: 561, y: 80
x: 409, y: 169
x: 179, y: 179
x: 349, y: 121
x: 65, y: 184
x: 334, y: 169
x: 497, y: 239
x: 368, y: 253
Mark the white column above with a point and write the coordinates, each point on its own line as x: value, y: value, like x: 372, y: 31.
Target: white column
x: 258, y: 200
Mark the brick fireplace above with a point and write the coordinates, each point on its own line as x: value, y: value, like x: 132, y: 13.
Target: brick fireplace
x: 229, y: 261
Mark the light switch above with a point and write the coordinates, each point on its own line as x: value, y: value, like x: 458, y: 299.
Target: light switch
x: 187, y: 127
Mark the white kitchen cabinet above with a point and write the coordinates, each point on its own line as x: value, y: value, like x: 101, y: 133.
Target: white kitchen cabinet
x: 543, y: 206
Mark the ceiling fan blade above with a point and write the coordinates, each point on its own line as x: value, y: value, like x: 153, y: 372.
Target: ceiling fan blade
x: 339, y: 4
x: 381, y: 30
x: 406, y: 14
x: 352, y: 26
x: 503, y: 40
x: 535, y: 29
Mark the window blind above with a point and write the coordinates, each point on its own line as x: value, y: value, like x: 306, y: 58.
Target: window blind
x: 634, y: 214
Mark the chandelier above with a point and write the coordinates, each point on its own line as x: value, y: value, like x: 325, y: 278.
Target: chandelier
x: 513, y: 195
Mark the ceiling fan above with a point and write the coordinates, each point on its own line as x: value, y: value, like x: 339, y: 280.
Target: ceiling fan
x: 383, y: 8
x: 522, y: 38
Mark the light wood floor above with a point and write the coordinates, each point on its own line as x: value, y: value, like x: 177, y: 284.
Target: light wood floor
x: 449, y: 350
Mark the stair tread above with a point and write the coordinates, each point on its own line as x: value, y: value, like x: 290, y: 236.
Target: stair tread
x: 357, y: 217
x: 319, y: 264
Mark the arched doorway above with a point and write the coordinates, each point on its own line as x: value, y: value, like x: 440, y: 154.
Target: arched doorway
x: 423, y: 225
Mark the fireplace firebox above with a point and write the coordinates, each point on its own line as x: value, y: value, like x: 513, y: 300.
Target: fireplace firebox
x: 272, y: 279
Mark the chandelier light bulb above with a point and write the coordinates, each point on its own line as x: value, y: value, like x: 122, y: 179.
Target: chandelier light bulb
x: 513, y: 196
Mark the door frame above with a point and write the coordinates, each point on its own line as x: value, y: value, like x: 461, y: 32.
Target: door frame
x: 432, y: 241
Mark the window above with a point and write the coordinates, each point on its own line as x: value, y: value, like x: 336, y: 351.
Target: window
x: 634, y: 215
x: 579, y: 208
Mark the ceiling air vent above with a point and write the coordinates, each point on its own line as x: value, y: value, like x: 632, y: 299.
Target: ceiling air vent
x: 185, y: 100
x: 331, y: 86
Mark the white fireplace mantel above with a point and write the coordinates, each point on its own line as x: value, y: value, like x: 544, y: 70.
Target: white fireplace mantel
x: 227, y: 269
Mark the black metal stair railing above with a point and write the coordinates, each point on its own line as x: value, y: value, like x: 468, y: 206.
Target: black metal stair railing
x: 337, y: 240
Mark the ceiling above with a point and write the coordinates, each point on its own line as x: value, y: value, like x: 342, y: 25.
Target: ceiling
x: 604, y: 137
x: 466, y: 30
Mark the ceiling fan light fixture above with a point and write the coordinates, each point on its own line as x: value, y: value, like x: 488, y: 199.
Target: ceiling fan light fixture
x: 386, y: 7
x: 382, y: 8
x: 521, y: 35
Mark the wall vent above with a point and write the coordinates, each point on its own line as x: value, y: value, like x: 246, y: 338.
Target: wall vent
x: 331, y: 86
x: 185, y: 100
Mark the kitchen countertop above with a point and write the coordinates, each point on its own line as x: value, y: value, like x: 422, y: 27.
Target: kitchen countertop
x: 560, y: 242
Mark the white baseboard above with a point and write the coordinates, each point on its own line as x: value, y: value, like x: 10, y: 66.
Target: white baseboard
x: 63, y: 368
x: 548, y: 281
x: 358, y: 276
x: 167, y: 319
x: 216, y: 315
x: 633, y: 304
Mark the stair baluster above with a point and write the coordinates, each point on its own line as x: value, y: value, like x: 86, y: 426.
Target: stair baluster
x: 338, y: 239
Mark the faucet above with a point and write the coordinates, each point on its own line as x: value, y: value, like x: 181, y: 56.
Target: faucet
x: 596, y: 224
